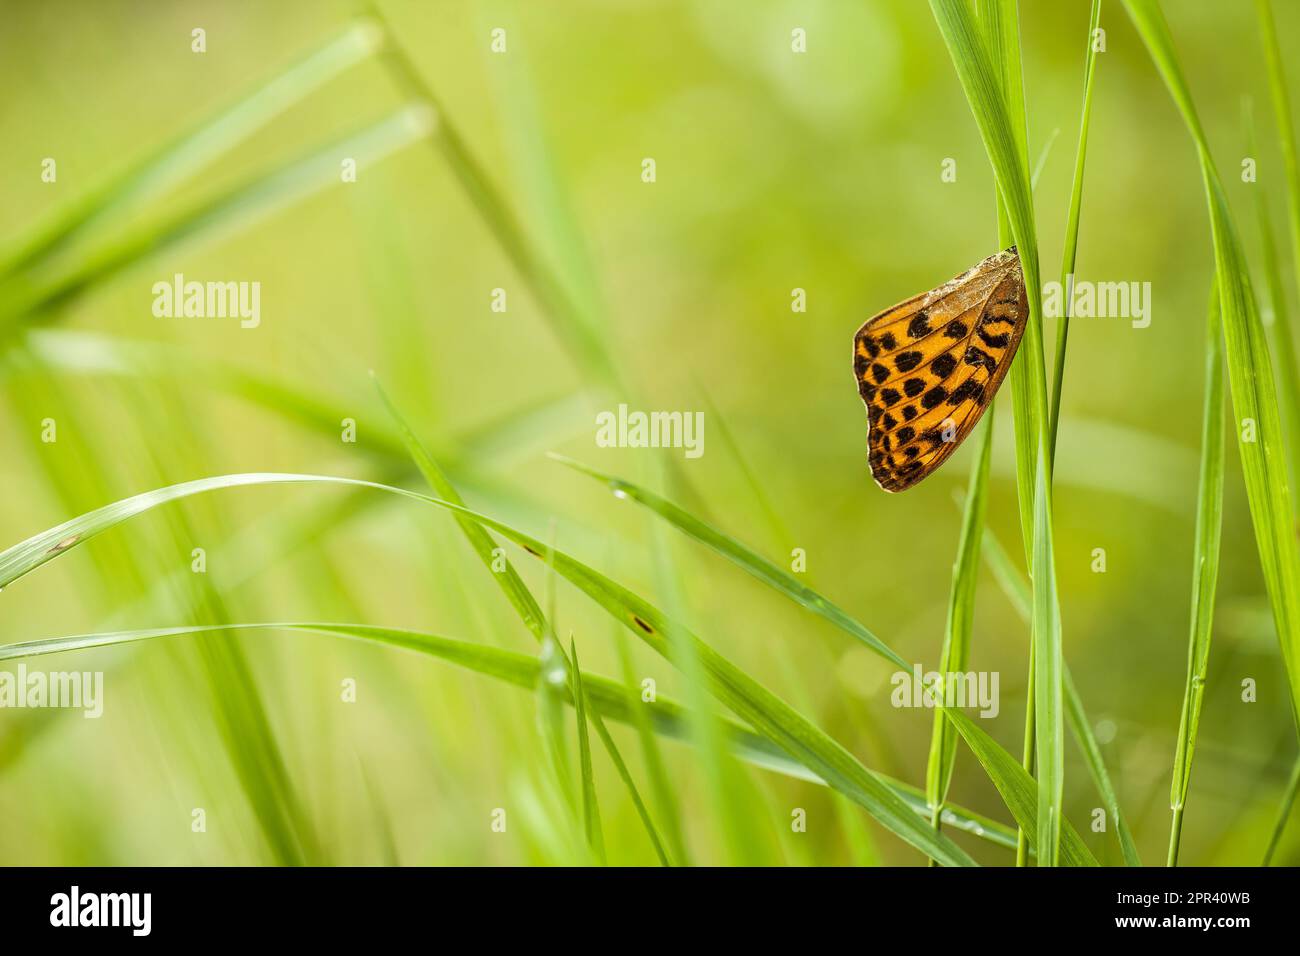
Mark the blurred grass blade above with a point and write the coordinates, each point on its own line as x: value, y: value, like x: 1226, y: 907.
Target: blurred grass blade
x: 245, y: 204
x: 211, y: 138
x: 1016, y: 589
x: 961, y: 615
x: 1205, y: 570
x: 1283, y: 814
x: 590, y: 807
x: 1283, y: 326
x: 996, y: 99
x: 751, y: 701
x: 731, y: 549
x: 516, y: 592
x: 1276, y: 318
x: 1018, y: 789
x: 665, y: 795
x: 1049, y: 737
x: 575, y: 330
x: 1072, y: 223
x: 1250, y: 372
x: 770, y: 574
x: 608, y: 698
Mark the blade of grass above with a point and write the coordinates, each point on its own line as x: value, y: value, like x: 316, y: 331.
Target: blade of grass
x: 1282, y: 329
x: 1277, y: 321
x: 1072, y: 222
x: 999, y: 21
x: 731, y: 549
x: 207, y: 140
x: 1250, y: 373
x: 752, y: 702
x: 246, y: 203
x: 574, y: 329
x: 590, y: 806
x: 1205, y: 571
x: 740, y: 555
x: 1018, y: 789
x: 607, y: 697
x: 961, y: 616
x: 665, y: 796
x: 997, y: 104
x: 1284, y: 813
x: 1017, y: 591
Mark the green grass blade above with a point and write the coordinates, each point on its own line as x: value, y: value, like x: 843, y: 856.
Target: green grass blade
x: 961, y: 615
x: 1284, y: 813
x: 208, y: 140
x: 608, y: 697
x: 752, y: 702
x: 245, y: 204
x: 1072, y: 222
x: 626, y: 776
x: 1205, y: 571
x: 996, y: 101
x: 516, y: 592
x: 745, y: 558
x: 1250, y: 373
x: 1019, y: 791
x: 765, y: 571
x: 563, y: 310
x: 1016, y: 588
x: 665, y: 795
x: 1283, y: 328
x: 1277, y: 319
x: 1049, y: 737
x: 590, y: 805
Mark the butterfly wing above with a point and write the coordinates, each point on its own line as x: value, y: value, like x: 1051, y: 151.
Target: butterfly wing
x: 928, y: 367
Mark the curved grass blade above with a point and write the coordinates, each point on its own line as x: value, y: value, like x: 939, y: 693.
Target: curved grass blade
x: 1283, y: 327
x: 750, y: 700
x: 758, y: 566
x: 608, y: 698
x: 590, y: 806
x: 1018, y: 789
x: 996, y: 100
x: 1283, y: 814
x: 1016, y: 589
x: 1205, y: 571
x: 1072, y: 222
x: 213, y: 137
x: 961, y: 615
x: 665, y: 796
x: 239, y: 207
x: 1250, y: 372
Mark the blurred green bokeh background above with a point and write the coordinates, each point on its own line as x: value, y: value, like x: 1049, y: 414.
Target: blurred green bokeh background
x: 775, y: 171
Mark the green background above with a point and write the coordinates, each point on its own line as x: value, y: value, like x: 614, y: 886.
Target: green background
x: 775, y: 171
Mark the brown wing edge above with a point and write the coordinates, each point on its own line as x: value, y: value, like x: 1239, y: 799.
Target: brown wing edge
x: 994, y: 382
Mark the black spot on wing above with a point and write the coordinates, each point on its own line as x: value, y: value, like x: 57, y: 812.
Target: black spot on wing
x: 979, y: 358
x: 906, y: 361
x: 919, y: 327
x: 969, y: 390
x: 913, y: 387
x: 934, y: 397
x: 998, y: 341
x: 943, y: 365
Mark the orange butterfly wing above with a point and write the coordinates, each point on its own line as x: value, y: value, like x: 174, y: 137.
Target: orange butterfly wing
x: 927, y: 368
